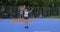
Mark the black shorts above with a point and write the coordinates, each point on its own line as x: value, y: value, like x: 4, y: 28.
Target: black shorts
x: 25, y: 17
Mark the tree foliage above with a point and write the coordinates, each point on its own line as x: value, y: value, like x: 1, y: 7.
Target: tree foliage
x: 41, y: 3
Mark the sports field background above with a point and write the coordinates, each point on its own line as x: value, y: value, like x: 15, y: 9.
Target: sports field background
x: 45, y: 15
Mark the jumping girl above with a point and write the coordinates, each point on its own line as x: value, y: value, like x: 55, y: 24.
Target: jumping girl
x: 26, y: 13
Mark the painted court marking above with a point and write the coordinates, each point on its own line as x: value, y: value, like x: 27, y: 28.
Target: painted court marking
x: 21, y: 20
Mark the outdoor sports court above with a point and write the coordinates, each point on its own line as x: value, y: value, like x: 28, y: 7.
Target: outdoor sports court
x: 37, y: 25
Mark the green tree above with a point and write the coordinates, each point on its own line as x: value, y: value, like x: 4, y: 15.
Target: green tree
x: 46, y: 3
x: 57, y: 3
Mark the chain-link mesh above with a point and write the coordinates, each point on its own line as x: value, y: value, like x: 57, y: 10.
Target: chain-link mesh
x: 38, y: 12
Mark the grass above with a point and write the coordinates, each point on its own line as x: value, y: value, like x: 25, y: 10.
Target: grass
x: 53, y: 17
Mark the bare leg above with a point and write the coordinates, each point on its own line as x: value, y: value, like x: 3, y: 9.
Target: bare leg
x: 21, y: 16
x: 26, y: 25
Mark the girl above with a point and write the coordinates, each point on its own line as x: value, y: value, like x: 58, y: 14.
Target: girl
x: 26, y: 17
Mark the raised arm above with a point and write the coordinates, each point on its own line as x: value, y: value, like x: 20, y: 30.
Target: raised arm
x: 30, y: 10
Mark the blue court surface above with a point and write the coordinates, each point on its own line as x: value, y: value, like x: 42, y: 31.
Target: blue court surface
x: 37, y: 25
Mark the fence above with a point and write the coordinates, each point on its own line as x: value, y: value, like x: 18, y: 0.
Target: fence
x: 38, y: 12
